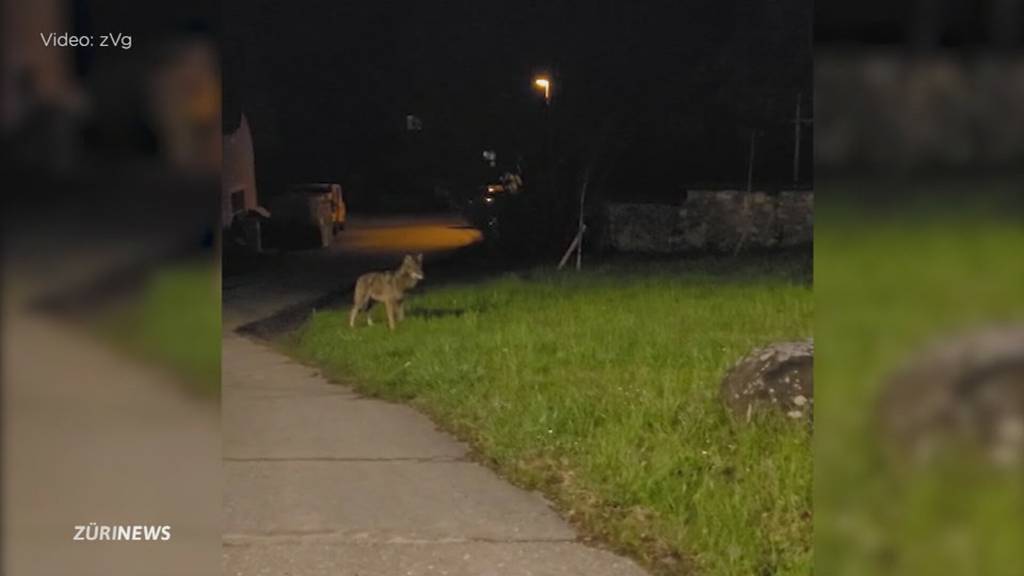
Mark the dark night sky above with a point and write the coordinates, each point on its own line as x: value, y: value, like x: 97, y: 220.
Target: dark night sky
x: 950, y: 23
x: 326, y: 84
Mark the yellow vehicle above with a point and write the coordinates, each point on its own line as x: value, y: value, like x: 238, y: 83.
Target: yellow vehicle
x: 316, y: 210
x: 331, y: 194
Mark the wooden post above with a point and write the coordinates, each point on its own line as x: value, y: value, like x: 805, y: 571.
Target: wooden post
x: 568, y: 253
x: 577, y: 241
x: 582, y: 226
x: 798, y: 130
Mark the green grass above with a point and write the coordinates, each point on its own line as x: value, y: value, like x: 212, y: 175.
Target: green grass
x: 174, y: 323
x: 885, y: 287
x: 600, y: 388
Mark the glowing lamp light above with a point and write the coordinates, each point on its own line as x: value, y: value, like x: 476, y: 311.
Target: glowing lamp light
x: 545, y: 83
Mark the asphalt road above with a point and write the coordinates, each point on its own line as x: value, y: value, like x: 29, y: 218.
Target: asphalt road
x: 322, y: 481
x: 276, y: 281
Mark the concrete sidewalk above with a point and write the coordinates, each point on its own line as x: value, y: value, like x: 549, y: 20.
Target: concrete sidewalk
x: 319, y: 480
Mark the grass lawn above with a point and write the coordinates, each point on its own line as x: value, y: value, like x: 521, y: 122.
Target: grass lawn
x: 600, y: 389
x: 886, y: 286
x: 174, y: 323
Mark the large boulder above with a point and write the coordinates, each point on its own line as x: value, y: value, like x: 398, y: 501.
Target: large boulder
x: 778, y: 378
x: 966, y: 390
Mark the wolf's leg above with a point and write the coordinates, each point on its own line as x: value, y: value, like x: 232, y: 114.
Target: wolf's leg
x: 390, y: 306
x: 358, y: 302
x: 401, y: 310
x: 368, y: 309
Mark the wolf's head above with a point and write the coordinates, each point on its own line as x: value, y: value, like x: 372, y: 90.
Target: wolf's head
x: 412, y: 266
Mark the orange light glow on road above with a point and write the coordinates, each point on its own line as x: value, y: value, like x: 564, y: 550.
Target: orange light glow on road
x: 413, y: 237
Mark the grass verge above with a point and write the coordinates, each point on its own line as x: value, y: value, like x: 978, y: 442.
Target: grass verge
x: 174, y: 323
x: 888, y: 283
x: 600, y: 389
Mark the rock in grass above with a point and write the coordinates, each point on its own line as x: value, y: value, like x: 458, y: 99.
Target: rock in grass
x: 778, y: 377
x: 965, y: 391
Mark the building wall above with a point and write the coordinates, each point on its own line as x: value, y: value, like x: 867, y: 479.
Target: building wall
x: 24, y: 55
x: 239, y: 170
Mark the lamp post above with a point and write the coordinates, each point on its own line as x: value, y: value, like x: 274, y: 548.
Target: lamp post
x: 544, y: 83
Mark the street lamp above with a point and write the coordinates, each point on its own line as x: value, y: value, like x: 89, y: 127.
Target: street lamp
x: 545, y: 83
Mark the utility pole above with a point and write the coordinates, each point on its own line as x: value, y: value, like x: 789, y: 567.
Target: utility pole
x: 798, y: 124
x: 545, y: 83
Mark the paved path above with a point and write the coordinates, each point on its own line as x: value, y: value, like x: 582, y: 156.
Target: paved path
x: 91, y: 434
x: 321, y: 481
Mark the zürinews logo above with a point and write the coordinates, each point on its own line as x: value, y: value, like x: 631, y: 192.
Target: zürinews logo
x: 93, y: 532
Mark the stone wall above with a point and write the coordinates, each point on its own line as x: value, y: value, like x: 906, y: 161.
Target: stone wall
x: 887, y: 110
x: 712, y: 221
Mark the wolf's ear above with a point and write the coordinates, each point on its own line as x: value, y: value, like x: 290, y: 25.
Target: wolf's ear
x: 419, y: 257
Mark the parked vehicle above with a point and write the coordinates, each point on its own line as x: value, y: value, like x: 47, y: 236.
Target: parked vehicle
x: 310, y: 212
x: 485, y: 207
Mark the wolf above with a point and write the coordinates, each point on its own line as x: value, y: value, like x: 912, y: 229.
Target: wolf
x: 387, y: 287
